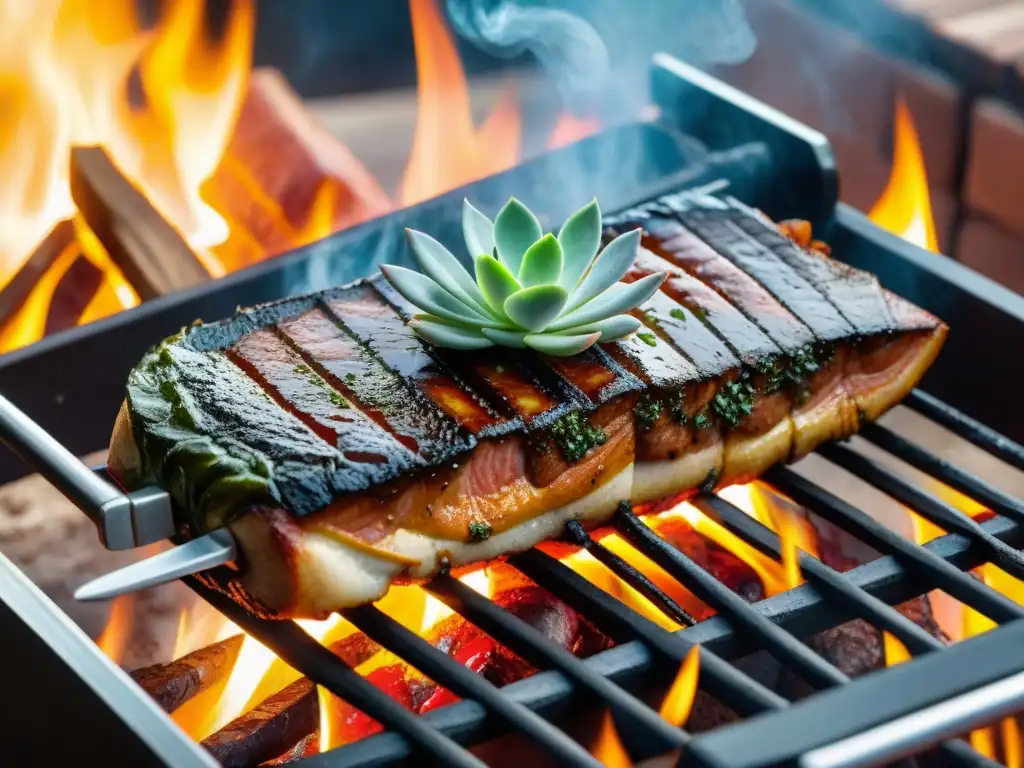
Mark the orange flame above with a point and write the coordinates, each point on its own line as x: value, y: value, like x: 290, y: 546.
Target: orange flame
x: 113, y: 641
x: 448, y: 150
x: 608, y: 748
x: 679, y: 699
x: 905, y: 207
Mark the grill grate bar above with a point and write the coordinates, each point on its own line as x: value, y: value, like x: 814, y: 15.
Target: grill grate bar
x: 939, y: 573
x: 303, y: 653
x: 629, y: 574
x: 782, y: 645
x: 722, y: 680
x: 826, y: 579
x: 970, y: 429
x: 968, y: 484
x: 531, y: 645
x: 464, y: 682
x: 925, y: 504
x: 868, y: 607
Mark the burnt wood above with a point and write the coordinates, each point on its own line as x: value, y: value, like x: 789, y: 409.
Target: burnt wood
x: 14, y: 294
x: 151, y: 253
x: 171, y: 685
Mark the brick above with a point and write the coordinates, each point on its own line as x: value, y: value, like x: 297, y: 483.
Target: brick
x: 818, y: 73
x: 994, y: 184
x: 993, y: 251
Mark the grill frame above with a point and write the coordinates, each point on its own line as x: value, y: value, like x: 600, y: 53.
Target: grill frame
x: 803, y: 158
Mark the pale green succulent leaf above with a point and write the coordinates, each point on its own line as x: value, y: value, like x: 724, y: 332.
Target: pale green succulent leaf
x: 611, y: 329
x: 496, y: 283
x: 542, y: 263
x: 505, y: 338
x: 450, y: 335
x: 431, y: 297
x: 619, y: 298
x: 533, y: 308
x: 580, y: 237
x: 515, y: 230
x: 611, y: 264
x: 478, y: 230
x: 438, y: 263
x: 559, y: 345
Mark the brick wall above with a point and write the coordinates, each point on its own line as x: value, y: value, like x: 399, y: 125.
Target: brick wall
x: 834, y: 81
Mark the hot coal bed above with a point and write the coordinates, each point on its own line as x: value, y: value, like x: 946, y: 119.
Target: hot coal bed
x: 71, y: 703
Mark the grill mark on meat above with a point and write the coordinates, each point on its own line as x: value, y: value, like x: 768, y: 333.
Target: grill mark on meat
x: 857, y: 295
x: 664, y: 368
x: 711, y: 220
x: 596, y: 375
x: 670, y: 240
x: 383, y: 395
x: 689, y: 336
x: 699, y: 303
x: 377, y: 325
x: 283, y: 374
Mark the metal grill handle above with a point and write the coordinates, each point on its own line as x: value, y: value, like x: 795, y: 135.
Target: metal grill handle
x: 124, y: 521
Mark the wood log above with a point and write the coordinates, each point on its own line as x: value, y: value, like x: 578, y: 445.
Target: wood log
x: 14, y: 294
x: 150, y: 252
x: 171, y: 685
x: 279, y: 722
x: 76, y: 289
x: 282, y: 167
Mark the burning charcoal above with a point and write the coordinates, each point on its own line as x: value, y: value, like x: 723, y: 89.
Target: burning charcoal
x: 280, y: 721
x: 351, y: 724
x: 171, y: 685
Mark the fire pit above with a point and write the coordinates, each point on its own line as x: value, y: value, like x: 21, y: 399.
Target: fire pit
x: 584, y: 649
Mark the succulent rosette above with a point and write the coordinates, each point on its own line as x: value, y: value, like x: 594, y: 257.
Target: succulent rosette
x: 557, y: 295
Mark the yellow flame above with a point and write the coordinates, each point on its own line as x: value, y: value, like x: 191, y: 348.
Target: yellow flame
x: 905, y: 207
x: 608, y: 748
x: 113, y: 641
x: 679, y: 699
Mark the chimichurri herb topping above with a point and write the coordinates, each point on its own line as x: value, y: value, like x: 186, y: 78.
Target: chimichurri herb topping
x: 350, y: 378
x: 574, y: 436
x: 648, y: 410
x: 648, y: 338
x: 699, y: 312
x: 774, y: 373
x: 734, y: 401
x: 677, y: 406
x: 702, y: 420
x: 479, y: 530
x: 678, y: 314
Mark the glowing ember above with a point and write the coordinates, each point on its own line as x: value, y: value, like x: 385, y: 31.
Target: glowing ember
x: 679, y: 699
x: 608, y: 747
x: 114, y: 639
x: 905, y: 207
x: 448, y: 150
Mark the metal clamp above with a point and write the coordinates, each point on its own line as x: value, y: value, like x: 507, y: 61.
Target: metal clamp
x: 124, y: 521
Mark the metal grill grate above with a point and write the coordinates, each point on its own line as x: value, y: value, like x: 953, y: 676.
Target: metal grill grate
x: 829, y: 598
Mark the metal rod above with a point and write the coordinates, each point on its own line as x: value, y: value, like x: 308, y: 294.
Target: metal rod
x: 925, y: 504
x: 826, y: 579
x: 786, y: 648
x: 931, y: 567
x: 923, y: 728
x: 722, y: 680
x: 316, y: 662
x: 531, y: 645
x: 970, y: 429
x: 632, y: 576
x: 446, y: 671
x: 105, y: 505
x: 942, y: 470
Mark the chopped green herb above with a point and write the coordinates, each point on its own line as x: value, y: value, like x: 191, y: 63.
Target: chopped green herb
x: 350, y: 378
x: 678, y: 314
x: 574, y: 436
x: 302, y: 368
x: 734, y: 401
x: 647, y: 410
x: 647, y: 338
x: 677, y: 406
x: 699, y: 312
x: 702, y: 421
x: 774, y: 374
x: 338, y: 400
x: 479, y: 531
